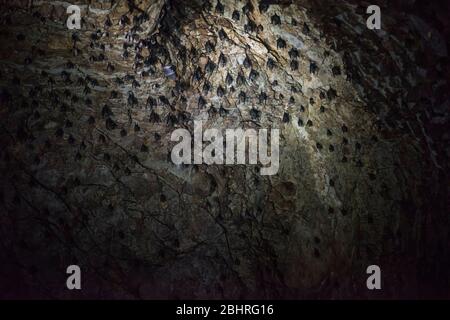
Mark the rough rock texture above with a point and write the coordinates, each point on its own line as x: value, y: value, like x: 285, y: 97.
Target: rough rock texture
x: 86, y: 176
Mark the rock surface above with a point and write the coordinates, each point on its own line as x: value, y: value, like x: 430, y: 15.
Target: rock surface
x: 87, y: 115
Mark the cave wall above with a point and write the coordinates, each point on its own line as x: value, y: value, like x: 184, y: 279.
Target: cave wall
x: 87, y: 115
